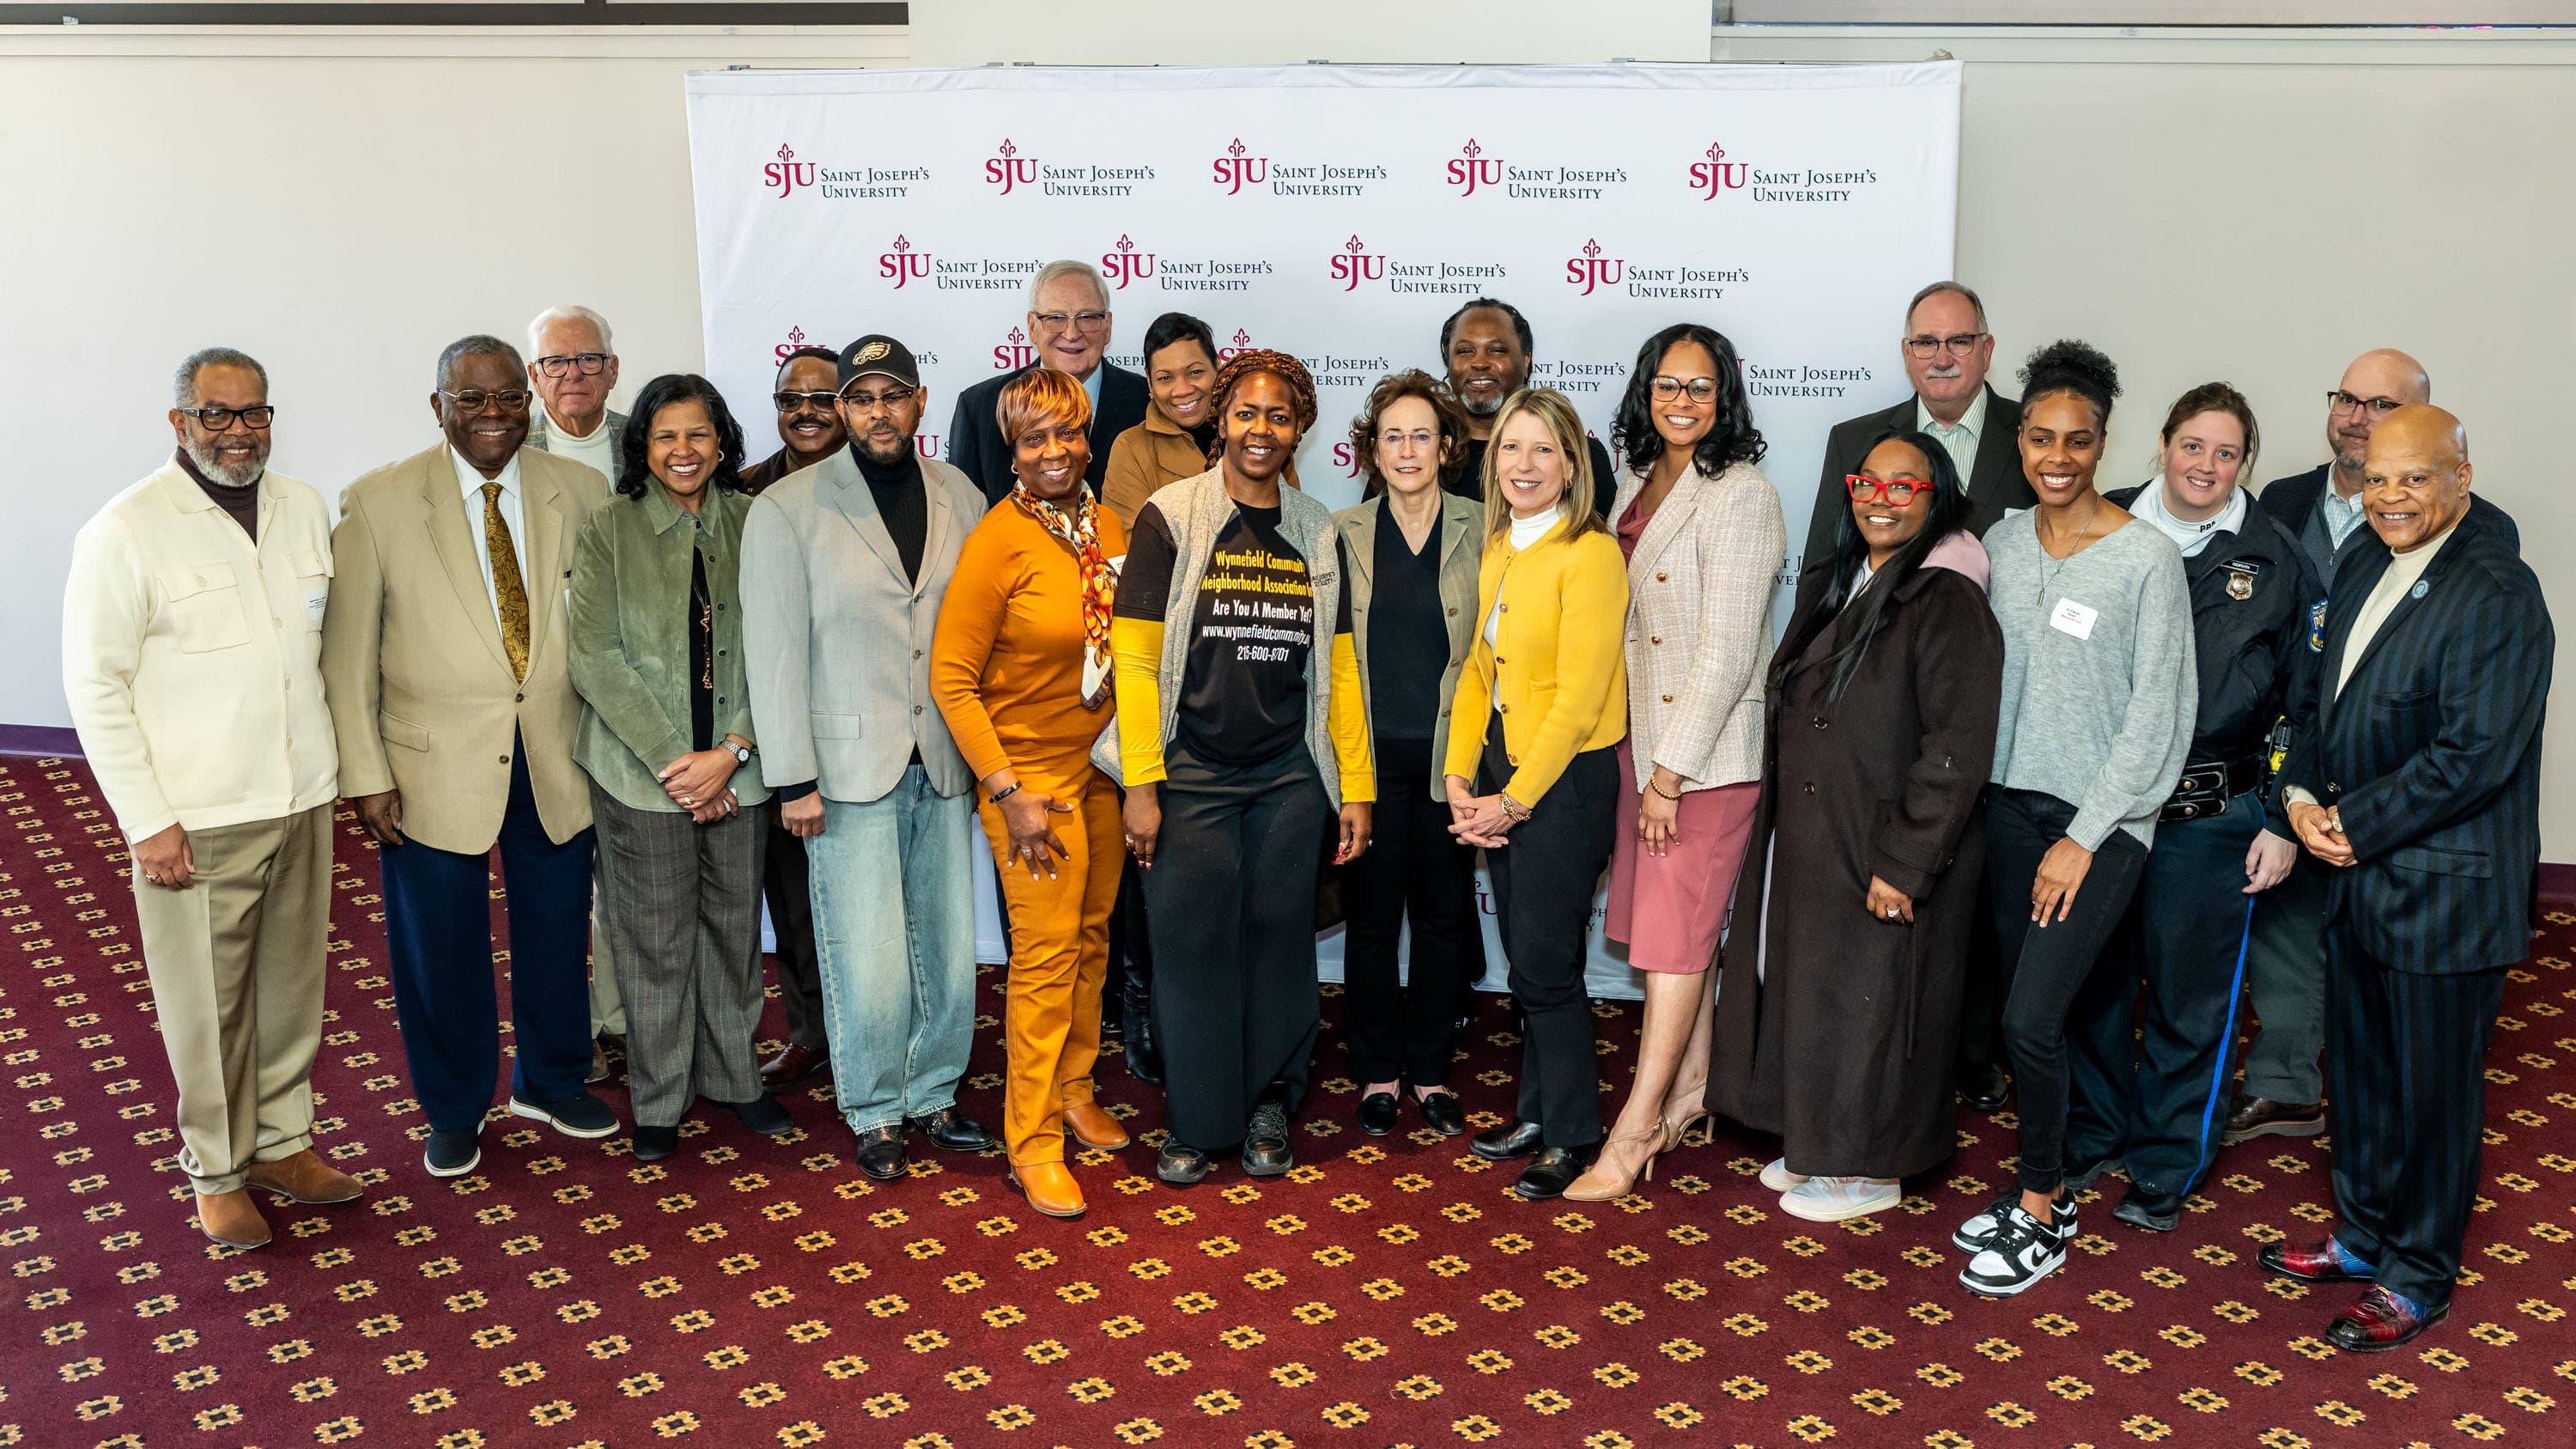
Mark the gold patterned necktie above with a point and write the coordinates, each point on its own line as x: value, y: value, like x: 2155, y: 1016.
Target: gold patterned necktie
x: 507, y: 589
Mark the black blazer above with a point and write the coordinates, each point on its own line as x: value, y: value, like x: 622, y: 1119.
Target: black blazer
x: 1995, y: 484
x: 2290, y: 500
x: 976, y: 448
x: 2432, y: 754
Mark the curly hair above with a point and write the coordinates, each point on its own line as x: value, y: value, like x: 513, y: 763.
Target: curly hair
x: 1394, y: 388
x: 634, y: 475
x: 1731, y: 439
x: 1301, y: 383
x: 2076, y: 367
x: 1040, y: 392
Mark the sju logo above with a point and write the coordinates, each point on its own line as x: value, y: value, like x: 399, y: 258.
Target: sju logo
x: 903, y: 264
x: 1473, y: 169
x: 1235, y: 170
x: 1010, y: 169
x: 1593, y: 270
x: 1126, y: 264
x: 787, y: 173
x: 1355, y: 264
x: 1716, y: 174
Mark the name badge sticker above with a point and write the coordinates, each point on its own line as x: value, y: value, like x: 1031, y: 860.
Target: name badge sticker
x: 2070, y: 617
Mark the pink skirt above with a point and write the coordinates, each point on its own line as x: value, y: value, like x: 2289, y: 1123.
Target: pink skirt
x: 1670, y: 909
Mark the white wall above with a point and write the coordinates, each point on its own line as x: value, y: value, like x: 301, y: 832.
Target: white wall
x: 342, y: 204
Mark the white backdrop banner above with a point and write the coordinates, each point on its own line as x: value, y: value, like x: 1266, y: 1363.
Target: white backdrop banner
x: 1340, y: 213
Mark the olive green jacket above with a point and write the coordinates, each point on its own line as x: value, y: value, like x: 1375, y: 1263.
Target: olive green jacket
x: 630, y: 640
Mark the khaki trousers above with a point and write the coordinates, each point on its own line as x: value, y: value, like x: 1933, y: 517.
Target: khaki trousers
x: 236, y: 962
x: 1059, y: 957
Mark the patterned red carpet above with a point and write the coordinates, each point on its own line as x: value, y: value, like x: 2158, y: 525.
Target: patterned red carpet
x: 1389, y: 1291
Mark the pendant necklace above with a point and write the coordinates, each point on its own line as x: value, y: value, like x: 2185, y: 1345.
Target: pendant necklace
x: 2050, y: 575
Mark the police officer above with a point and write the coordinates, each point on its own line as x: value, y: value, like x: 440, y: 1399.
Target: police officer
x: 2149, y: 1076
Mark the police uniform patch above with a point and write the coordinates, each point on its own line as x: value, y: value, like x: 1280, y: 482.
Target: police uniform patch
x: 2240, y: 586
x: 2317, y: 627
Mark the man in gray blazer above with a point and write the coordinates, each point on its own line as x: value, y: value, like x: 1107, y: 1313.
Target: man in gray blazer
x: 572, y: 365
x: 844, y: 564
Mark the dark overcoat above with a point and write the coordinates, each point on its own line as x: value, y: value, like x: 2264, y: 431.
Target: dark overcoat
x: 1842, y: 1044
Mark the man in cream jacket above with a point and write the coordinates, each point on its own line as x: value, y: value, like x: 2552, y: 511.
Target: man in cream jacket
x: 192, y: 635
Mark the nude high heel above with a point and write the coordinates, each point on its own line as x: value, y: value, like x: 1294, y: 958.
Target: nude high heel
x: 1599, y: 1182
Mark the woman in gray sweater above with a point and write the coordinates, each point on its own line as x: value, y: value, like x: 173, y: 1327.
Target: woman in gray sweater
x: 2096, y: 716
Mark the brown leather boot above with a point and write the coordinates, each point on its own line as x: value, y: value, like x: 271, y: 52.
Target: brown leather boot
x: 1050, y: 1188
x: 304, y: 1177
x: 232, y: 1219
x: 1094, y: 1127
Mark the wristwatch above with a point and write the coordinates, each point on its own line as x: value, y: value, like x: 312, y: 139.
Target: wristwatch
x: 741, y: 753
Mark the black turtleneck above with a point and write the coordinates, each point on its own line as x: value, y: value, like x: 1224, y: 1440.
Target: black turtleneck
x: 1205, y: 436
x: 242, y: 502
x: 903, y: 502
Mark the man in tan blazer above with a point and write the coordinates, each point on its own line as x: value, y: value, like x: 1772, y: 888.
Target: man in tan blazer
x: 444, y: 656
x: 191, y: 623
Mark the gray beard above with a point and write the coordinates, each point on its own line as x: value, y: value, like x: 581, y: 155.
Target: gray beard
x: 230, y: 477
x: 1484, y: 410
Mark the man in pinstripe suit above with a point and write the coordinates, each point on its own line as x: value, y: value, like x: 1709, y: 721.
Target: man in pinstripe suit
x: 2417, y: 783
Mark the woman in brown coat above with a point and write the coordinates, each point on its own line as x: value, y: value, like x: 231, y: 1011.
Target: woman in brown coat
x: 1839, y: 988
x: 1179, y: 432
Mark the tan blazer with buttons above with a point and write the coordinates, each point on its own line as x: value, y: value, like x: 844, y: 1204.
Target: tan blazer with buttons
x: 1699, y: 625
x: 1462, y: 534
x: 422, y: 696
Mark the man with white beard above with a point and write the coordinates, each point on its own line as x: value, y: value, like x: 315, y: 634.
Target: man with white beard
x: 1486, y: 348
x: 192, y: 635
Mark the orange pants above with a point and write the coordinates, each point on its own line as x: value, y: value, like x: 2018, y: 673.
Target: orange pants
x: 1059, y: 958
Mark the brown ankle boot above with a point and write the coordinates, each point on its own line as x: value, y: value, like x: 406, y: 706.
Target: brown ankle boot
x: 303, y: 1177
x: 1050, y: 1188
x: 1094, y: 1127
x: 232, y: 1219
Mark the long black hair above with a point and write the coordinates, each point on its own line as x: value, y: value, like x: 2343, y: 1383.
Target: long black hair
x: 1732, y: 439
x: 634, y: 476
x: 1949, y: 513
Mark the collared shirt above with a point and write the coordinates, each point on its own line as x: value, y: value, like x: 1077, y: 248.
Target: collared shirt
x: 1091, y: 383
x: 2342, y: 515
x: 1958, y: 439
x: 599, y: 450
x: 471, y: 480
x: 242, y: 501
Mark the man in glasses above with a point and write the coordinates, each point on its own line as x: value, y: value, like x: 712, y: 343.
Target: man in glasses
x: 190, y: 627
x: 2285, y: 954
x: 1486, y: 348
x: 844, y: 565
x: 808, y: 400
x: 1068, y: 324
x: 444, y: 652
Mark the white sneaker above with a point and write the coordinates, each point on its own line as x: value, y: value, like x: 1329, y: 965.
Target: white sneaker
x: 1832, y: 1199
x: 1777, y: 1176
x: 2022, y: 1251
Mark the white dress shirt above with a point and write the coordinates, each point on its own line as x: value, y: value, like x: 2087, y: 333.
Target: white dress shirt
x: 2342, y: 514
x: 1958, y: 439
x: 2189, y: 536
x: 471, y: 480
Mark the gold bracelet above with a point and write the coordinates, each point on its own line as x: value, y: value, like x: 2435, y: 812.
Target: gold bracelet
x: 1513, y: 810
x: 1651, y: 785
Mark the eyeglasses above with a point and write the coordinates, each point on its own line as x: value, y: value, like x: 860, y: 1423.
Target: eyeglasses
x: 2343, y: 402
x: 218, y: 420
x: 1958, y: 344
x: 475, y: 400
x: 1700, y: 389
x: 789, y: 402
x: 590, y: 364
x: 889, y: 400
x: 1422, y: 439
x: 1087, y: 321
x: 1897, y: 491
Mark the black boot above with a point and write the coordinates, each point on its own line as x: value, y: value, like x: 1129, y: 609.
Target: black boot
x: 1144, y: 1052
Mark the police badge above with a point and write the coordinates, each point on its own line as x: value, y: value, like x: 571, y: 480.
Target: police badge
x: 2240, y: 586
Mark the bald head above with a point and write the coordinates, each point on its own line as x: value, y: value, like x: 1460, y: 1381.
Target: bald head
x: 2415, y: 481
x: 2377, y: 378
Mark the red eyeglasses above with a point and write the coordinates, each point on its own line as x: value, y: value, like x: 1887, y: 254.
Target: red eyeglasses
x: 1898, y: 492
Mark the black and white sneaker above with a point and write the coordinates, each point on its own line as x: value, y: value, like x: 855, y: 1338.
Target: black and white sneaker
x: 2022, y: 1251
x: 1976, y: 1232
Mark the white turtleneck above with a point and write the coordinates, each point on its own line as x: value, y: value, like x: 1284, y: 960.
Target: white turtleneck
x: 2188, y: 536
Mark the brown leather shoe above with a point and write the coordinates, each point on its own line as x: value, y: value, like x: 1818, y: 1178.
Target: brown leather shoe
x: 304, y: 1177
x: 598, y: 1066
x: 1050, y: 1188
x: 232, y: 1219
x: 2249, y: 1117
x: 1094, y: 1127
x: 791, y: 1066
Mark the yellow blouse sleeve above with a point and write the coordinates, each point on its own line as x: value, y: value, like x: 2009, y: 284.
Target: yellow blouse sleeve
x: 1136, y: 649
x: 1346, y: 720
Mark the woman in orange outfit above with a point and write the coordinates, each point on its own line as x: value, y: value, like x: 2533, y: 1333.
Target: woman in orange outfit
x: 1021, y: 670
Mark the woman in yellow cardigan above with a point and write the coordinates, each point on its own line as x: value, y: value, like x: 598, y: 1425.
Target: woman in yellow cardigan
x: 1540, y: 710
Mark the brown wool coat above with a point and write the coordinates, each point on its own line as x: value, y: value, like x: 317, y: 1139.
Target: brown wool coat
x: 1149, y: 455
x: 1844, y: 1045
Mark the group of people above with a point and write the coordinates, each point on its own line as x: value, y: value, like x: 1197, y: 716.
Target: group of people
x: 2041, y: 775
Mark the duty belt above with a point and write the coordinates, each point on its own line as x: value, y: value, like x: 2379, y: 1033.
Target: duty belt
x: 2205, y: 788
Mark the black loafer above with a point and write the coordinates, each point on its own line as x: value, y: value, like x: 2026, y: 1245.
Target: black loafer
x: 1515, y: 1138
x: 1265, y: 1141
x: 452, y: 1154
x: 763, y: 1115
x: 881, y: 1154
x: 1442, y: 1112
x: 1377, y: 1113
x: 652, y: 1144
x: 2150, y: 1207
x: 952, y: 1130
x: 1181, y: 1166
x: 1551, y: 1172
x: 1985, y: 1088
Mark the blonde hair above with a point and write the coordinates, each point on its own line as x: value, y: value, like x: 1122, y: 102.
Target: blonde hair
x: 1040, y: 392
x: 1550, y: 407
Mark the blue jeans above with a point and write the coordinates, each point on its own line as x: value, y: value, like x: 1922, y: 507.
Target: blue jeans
x: 894, y: 944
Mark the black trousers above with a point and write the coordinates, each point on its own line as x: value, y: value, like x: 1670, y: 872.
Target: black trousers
x: 1989, y: 982
x: 2050, y: 965
x: 2152, y: 1029
x: 1414, y: 868
x: 785, y: 889
x: 1232, y: 899
x: 2406, y: 1076
x: 1544, y: 882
